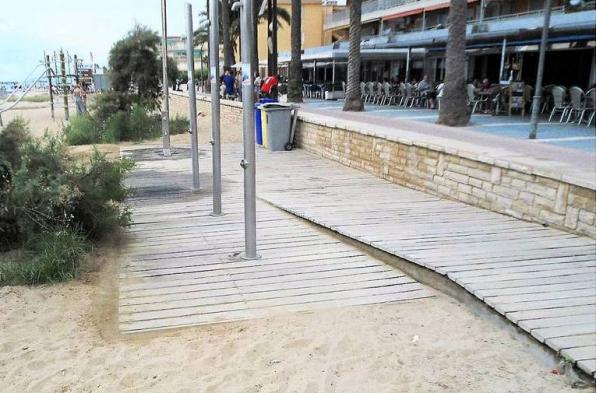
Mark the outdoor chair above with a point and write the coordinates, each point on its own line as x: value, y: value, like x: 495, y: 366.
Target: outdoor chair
x: 547, y: 98
x: 589, y: 107
x: 409, y: 99
x: 473, y: 100
x: 380, y: 94
x: 389, y: 96
x: 363, y: 93
x: 440, y: 95
x: 576, y: 98
x: 370, y: 87
x: 559, y: 104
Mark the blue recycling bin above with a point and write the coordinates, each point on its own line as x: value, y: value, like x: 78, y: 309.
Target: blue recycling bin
x: 258, y: 126
x: 258, y: 120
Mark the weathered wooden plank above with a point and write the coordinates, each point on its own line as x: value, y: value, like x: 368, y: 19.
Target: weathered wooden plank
x: 557, y: 321
x: 582, y: 340
x: 518, y: 316
x: 580, y: 353
x: 563, y: 331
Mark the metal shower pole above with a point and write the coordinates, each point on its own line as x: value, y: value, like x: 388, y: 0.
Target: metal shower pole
x: 538, y: 88
x: 215, y: 115
x: 248, y: 163
x: 165, y: 113
x: 192, y: 99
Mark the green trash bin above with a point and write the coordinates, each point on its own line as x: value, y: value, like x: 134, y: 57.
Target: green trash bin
x: 278, y: 125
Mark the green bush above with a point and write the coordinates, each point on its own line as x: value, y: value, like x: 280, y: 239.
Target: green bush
x: 142, y: 125
x: 107, y: 104
x: 12, y: 138
x: 47, y: 257
x: 50, y: 198
x: 179, y: 125
x: 82, y: 130
x: 109, y: 123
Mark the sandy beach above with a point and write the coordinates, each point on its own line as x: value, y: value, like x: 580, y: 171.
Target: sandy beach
x: 63, y: 338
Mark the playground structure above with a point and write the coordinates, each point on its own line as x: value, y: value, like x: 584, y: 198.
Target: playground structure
x: 61, y: 71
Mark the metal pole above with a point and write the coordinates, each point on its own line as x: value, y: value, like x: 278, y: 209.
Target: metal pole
x: 538, y: 89
x: 49, y: 73
x: 408, y: 64
x: 165, y: 113
x: 215, y: 116
x: 482, y: 7
x: 248, y: 163
x: 333, y: 73
x: 503, y: 50
x: 64, y: 85
x: 192, y: 100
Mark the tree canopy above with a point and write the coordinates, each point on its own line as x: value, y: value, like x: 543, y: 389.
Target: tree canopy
x: 135, y: 65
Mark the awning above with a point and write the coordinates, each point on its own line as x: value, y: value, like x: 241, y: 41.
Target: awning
x: 405, y: 13
x: 420, y: 10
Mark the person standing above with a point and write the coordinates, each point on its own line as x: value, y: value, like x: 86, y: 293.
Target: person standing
x: 79, y: 96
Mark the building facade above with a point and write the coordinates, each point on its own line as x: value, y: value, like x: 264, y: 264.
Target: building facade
x: 406, y: 39
x: 312, y: 29
x: 177, y: 51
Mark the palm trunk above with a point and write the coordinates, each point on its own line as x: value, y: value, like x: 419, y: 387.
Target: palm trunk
x: 454, y: 107
x: 353, y: 101
x: 295, y: 80
x: 226, y: 37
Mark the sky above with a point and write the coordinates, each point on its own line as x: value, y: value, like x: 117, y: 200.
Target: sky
x: 30, y: 27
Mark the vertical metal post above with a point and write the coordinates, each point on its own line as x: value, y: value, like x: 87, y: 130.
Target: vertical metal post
x: 64, y: 84
x: 482, y: 7
x: 165, y: 113
x: 215, y: 116
x: 192, y: 100
x: 49, y: 74
x: 503, y: 50
x: 538, y: 87
x: 248, y: 163
x: 408, y: 55
x: 333, y: 72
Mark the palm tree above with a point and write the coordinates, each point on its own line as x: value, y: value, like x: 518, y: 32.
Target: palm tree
x: 295, y: 80
x: 226, y: 22
x: 353, y: 101
x: 454, y: 107
x: 230, y: 36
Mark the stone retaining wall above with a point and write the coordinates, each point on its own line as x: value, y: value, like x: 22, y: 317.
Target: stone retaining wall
x: 495, y: 185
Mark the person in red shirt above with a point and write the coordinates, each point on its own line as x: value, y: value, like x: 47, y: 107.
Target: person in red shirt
x: 269, y: 85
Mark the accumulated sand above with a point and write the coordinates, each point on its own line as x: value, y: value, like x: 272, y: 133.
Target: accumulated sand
x: 38, y: 114
x: 62, y: 338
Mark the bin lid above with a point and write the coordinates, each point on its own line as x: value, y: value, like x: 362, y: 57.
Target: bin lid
x: 275, y: 106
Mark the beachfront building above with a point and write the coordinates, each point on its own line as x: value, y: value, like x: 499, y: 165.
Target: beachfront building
x: 177, y: 51
x: 405, y: 39
x: 312, y: 29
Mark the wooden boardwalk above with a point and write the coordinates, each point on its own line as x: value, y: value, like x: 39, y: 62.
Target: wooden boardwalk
x: 182, y: 269
x: 541, y: 279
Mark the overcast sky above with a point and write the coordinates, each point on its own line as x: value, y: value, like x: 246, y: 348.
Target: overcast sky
x: 30, y: 27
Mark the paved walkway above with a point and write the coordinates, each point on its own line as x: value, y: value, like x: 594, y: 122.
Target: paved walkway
x: 541, y: 279
x: 182, y: 266
x: 569, y: 135
x: 573, y: 165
